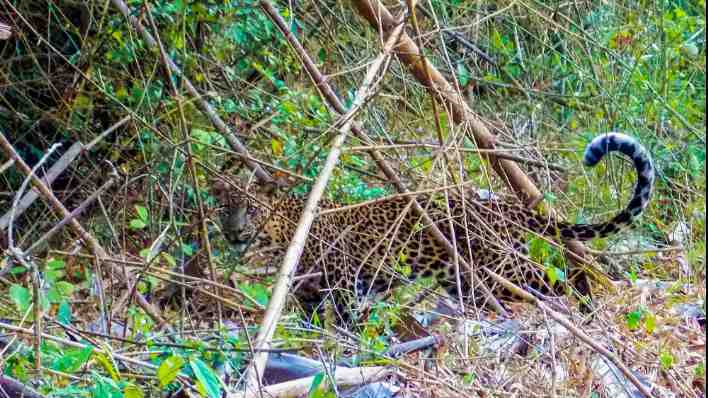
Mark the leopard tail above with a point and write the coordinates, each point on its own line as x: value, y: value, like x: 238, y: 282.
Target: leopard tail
x: 594, y: 152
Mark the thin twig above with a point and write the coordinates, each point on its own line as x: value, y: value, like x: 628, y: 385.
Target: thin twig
x: 6, y: 165
x: 23, y: 187
x: 639, y: 251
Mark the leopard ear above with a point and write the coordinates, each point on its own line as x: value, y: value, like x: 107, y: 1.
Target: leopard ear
x: 270, y: 188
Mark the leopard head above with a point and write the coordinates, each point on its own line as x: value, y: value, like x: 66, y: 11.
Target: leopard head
x: 245, y: 210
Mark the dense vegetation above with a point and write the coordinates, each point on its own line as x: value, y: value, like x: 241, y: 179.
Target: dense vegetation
x: 545, y: 77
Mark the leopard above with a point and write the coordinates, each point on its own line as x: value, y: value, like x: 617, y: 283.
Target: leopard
x: 356, y: 251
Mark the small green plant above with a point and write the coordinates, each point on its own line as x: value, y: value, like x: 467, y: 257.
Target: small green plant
x: 633, y: 319
x: 553, y: 261
x: 141, y: 218
x: 55, y: 290
x: 666, y: 360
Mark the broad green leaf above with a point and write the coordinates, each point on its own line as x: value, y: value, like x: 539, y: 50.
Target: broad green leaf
x: 21, y: 296
x: 169, y: 369
x: 72, y: 360
x: 142, y: 213
x: 207, y: 377
x: 66, y: 288
x: 53, y: 275
x: 256, y: 291
x: 105, y: 388
x: 55, y: 264
x: 64, y: 313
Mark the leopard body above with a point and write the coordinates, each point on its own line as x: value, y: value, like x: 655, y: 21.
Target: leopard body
x: 358, y: 250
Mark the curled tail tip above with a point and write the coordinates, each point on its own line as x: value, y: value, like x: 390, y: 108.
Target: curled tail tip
x: 630, y: 147
x: 605, y: 143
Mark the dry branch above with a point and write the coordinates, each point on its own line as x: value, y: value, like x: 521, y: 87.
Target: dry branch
x: 26, y: 201
x: 297, y: 243
x: 5, y: 31
x: 74, y: 213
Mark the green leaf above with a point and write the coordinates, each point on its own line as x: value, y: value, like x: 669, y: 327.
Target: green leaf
x: 64, y: 313
x: 144, y: 253
x: 17, y: 270
x: 650, y: 322
x: 63, y: 289
x: 105, y: 388
x: 207, y: 377
x: 633, y: 318
x: 133, y: 391
x: 187, y: 249
x: 315, y: 387
x: 137, y: 224
x: 169, y: 369
x: 463, y: 74
x: 469, y: 378
x: 276, y: 146
x: 107, y: 365
x: 55, y: 264
x: 142, y: 213
x: 21, y: 296
x: 632, y: 276
x: 60, y: 291
x: 666, y: 360
x: 256, y: 291
x: 72, y: 360
x: 52, y: 276
x: 170, y: 260
x: 554, y: 274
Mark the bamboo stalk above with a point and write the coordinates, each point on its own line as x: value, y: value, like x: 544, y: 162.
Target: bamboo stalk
x: 410, y: 54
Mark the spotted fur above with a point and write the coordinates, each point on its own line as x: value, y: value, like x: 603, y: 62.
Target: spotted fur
x: 360, y: 249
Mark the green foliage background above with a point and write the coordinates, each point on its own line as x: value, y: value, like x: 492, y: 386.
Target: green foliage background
x: 563, y: 72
